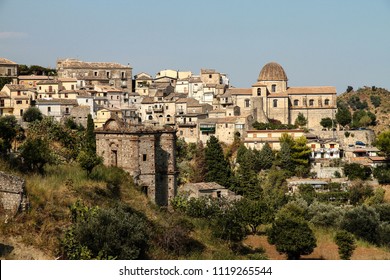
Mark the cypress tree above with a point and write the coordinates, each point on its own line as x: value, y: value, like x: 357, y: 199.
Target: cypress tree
x: 90, y: 135
x: 218, y: 168
x: 266, y: 157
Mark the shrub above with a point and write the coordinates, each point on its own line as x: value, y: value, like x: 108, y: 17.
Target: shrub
x: 292, y: 236
x: 363, y: 222
x: 203, y: 207
x: 324, y: 214
x: 114, y: 233
x: 346, y: 243
x: 357, y: 171
x: 359, y: 192
x: 32, y: 114
x: 382, y: 174
x: 384, y: 234
x: 229, y: 224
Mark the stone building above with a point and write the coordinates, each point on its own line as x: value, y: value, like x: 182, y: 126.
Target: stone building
x: 147, y: 153
x: 12, y: 192
x: 96, y: 73
x: 8, y: 69
x: 277, y: 101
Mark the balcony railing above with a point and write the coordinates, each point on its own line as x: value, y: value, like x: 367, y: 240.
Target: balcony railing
x: 186, y: 124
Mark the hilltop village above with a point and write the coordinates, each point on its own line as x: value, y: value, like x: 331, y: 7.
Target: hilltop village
x: 93, y: 140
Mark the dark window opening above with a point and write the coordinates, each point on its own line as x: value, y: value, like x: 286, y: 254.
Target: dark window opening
x: 144, y: 157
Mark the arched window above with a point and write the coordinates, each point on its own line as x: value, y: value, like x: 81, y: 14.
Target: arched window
x: 258, y: 91
x: 247, y: 103
x: 273, y: 88
x: 327, y: 103
x: 311, y: 102
x: 168, y: 118
x: 150, y: 118
x: 275, y: 103
x: 296, y: 102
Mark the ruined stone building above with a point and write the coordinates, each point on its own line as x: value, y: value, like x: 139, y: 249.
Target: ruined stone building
x: 96, y: 73
x: 147, y: 153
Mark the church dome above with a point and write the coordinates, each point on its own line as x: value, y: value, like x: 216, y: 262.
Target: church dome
x: 272, y: 72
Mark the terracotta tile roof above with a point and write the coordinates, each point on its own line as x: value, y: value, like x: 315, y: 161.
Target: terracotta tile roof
x: 34, y: 77
x: 17, y: 87
x: 311, y: 90
x: 48, y: 82
x: 147, y: 100
x: 67, y: 79
x: 59, y: 101
x: 239, y: 91
x: 74, y: 63
x: 4, y: 95
x: 6, y: 61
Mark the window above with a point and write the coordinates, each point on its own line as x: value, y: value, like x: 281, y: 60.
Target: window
x: 247, y: 103
x: 144, y: 157
x: 273, y: 88
x: 327, y: 102
x: 331, y: 146
x: 95, y: 73
x: 313, y: 146
x: 48, y: 109
x: 275, y: 103
x: 296, y: 102
x: 150, y: 118
x: 181, y: 132
x: 108, y: 74
x: 18, y: 93
x: 311, y: 102
x: 210, y: 76
x: 226, y: 125
x: 19, y: 102
x: 26, y: 101
x: 50, y: 88
x: 21, y: 112
x: 258, y: 91
x: 166, y: 107
x: 9, y: 72
x: 123, y: 75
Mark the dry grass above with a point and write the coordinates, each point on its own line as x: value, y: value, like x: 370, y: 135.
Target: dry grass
x: 326, y: 249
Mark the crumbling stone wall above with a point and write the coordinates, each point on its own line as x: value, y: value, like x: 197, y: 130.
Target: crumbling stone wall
x: 11, y: 192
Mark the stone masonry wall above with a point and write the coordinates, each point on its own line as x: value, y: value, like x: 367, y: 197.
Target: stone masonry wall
x: 11, y: 192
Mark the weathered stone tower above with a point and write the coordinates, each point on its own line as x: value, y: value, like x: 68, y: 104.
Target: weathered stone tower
x: 147, y: 153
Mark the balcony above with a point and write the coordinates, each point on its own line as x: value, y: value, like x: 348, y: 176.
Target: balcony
x: 207, y: 127
x: 149, y: 111
x: 226, y: 101
x: 186, y: 124
x: 158, y: 109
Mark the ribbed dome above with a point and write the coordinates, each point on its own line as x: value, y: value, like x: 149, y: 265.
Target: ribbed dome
x: 272, y: 72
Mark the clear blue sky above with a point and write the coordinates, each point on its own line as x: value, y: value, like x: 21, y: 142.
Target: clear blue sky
x: 331, y: 42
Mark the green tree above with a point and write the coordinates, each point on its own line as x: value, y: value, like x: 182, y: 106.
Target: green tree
x: 35, y: 154
x: 359, y: 192
x: 229, y: 225
x: 284, y: 157
x: 8, y: 131
x: 266, y: 157
x: 292, y: 236
x: 32, y: 114
x: 346, y: 244
x: 383, y: 142
x: 307, y: 192
x: 300, y: 120
x: 375, y: 100
x: 247, y: 180
x: 4, y: 81
x: 382, y: 174
x: 90, y: 135
x: 254, y: 213
x: 363, y: 222
x: 343, y: 116
x: 300, y: 152
x: 327, y: 123
x: 198, y: 173
x: 356, y: 171
x: 218, y: 168
x: 114, y: 233
x: 88, y: 160
x: 349, y: 89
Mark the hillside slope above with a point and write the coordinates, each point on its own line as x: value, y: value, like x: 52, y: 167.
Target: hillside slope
x: 375, y: 100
